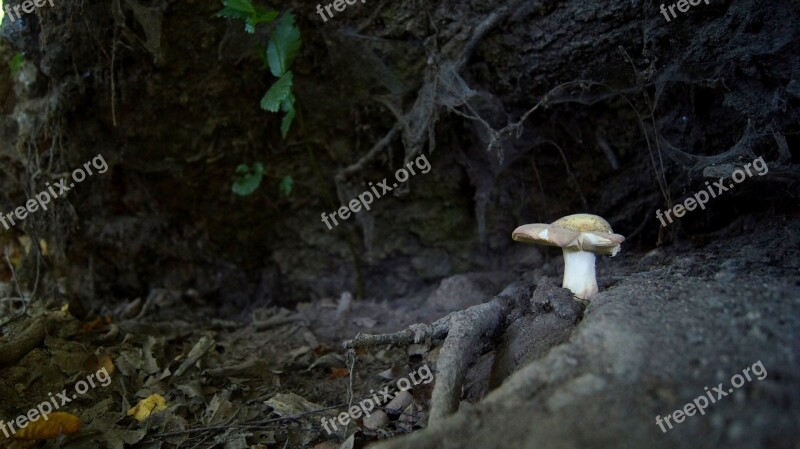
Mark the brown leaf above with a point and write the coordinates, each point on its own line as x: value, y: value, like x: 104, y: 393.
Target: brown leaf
x: 339, y: 372
x: 96, y: 323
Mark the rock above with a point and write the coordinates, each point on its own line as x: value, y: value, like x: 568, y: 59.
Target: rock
x: 464, y: 290
x: 399, y: 403
x: 376, y: 420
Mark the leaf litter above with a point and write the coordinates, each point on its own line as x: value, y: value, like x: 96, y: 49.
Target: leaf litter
x: 181, y: 379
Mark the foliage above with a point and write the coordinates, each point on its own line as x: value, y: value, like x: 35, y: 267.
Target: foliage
x: 287, y: 183
x: 16, y: 63
x: 284, y: 44
x: 245, y: 10
x: 248, y: 178
x: 283, y: 47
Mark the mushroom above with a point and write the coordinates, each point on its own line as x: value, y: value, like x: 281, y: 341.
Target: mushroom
x: 580, y: 237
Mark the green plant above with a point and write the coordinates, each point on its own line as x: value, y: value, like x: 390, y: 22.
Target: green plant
x: 245, y: 10
x: 16, y: 63
x: 248, y: 178
x: 287, y: 184
x: 284, y: 44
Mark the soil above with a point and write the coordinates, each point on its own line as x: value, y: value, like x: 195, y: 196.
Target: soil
x: 254, y: 321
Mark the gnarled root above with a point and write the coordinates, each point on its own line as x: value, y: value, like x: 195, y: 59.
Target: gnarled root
x: 466, y: 334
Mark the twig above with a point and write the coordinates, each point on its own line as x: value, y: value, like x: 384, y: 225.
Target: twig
x: 16, y: 284
x: 359, y: 164
x: 276, y: 321
x: 415, y: 333
x: 569, y: 172
x: 244, y: 426
x: 351, y: 365
x: 113, y: 82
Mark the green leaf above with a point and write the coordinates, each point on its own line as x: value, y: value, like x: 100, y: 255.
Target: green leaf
x: 261, y: 15
x: 237, y: 9
x: 284, y: 44
x: 16, y: 63
x: 277, y: 93
x: 287, y: 183
x: 244, y: 10
x: 288, y: 107
x: 249, y: 179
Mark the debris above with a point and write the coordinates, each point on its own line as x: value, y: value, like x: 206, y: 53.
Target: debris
x: 339, y: 372
x: 58, y: 423
x: 344, y: 304
x: 147, y: 407
x: 365, y: 322
x: 376, y: 420
x: 399, y: 403
x: 198, y: 351
x: 330, y: 360
x: 291, y: 404
x: 30, y: 337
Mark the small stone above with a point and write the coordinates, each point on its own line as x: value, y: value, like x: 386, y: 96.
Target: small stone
x: 376, y: 420
x: 399, y: 403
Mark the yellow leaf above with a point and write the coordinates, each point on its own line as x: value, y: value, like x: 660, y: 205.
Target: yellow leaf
x: 25, y: 241
x: 149, y: 406
x: 58, y: 423
x: 43, y: 247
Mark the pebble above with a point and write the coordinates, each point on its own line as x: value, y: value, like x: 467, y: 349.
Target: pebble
x: 376, y: 420
x: 399, y: 403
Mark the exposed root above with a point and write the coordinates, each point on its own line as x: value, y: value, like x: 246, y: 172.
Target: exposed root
x: 417, y: 124
x: 470, y: 330
x: 467, y: 334
x: 416, y: 333
x: 519, y: 325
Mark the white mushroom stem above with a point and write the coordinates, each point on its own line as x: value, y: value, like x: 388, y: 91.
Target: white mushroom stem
x: 579, y: 274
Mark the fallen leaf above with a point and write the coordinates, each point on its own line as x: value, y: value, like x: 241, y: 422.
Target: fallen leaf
x: 290, y: 404
x: 107, y: 363
x: 148, y: 406
x: 96, y: 323
x: 199, y: 350
x: 58, y: 423
x: 339, y: 372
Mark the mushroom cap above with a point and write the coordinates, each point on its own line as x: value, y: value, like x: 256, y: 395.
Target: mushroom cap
x: 580, y: 232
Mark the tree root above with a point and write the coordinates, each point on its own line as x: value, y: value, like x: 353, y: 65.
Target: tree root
x: 466, y: 334
x: 519, y: 324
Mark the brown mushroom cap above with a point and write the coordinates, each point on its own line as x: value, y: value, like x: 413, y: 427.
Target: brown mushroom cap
x: 581, y: 232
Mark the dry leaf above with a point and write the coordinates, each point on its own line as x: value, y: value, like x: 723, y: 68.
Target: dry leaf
x: 101, y: 361
x: 149, y: 406
x: 58, y: 423
x: 107, y: 363
x: 339, y: 372
x: 96, y: 323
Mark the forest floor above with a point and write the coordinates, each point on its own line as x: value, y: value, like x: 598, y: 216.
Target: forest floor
x: 665, y: 325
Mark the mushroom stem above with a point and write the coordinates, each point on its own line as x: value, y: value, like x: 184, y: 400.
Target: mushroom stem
x: 579, y: 274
